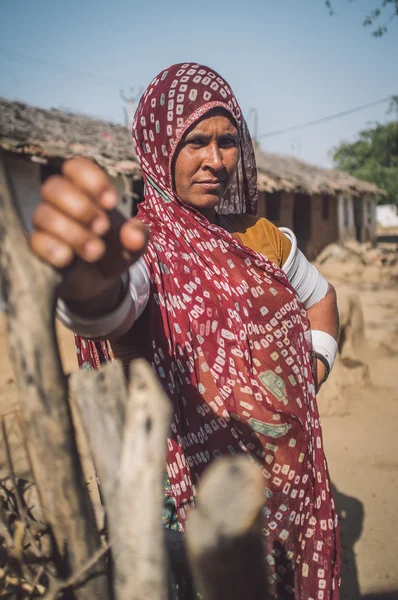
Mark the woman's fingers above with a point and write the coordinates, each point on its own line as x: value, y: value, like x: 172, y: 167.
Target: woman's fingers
x: 60, y: 193
x: 77, y: 218
x: 50, y: 249
x: 85, y: 174
x: 80, y: 240
x: 134, y: 236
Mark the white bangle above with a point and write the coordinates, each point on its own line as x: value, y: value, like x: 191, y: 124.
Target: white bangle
x: 311, y: 287
x: 323, y: 343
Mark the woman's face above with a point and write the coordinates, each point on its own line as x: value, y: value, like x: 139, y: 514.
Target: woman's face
x: 205, y: 161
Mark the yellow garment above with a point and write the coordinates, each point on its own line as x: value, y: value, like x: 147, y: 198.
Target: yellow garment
x: 260, y: 235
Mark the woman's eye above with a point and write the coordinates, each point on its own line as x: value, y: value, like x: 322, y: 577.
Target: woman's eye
x: 228, y: 142
x: 195, y: 142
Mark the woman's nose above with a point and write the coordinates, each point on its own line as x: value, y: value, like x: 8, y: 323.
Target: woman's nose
x: 213, y: 158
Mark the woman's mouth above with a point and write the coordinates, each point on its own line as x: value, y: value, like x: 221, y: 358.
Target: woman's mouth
x: 210, y: 185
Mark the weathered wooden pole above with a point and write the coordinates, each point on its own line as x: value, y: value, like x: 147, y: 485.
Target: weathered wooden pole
x: 224, y: 537
x: 29, y: 290
x: 127, y: 433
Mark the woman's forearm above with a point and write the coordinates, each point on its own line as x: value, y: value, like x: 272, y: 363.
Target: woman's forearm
x: 324, y: 316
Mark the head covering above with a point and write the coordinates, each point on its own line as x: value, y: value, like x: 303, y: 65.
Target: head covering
x: 172, y: 103
x: 228, y: 336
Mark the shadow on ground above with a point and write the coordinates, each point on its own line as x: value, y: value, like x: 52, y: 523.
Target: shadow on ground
x: 351, y: 515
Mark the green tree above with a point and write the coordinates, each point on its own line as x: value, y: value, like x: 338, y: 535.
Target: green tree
x: 374, y: 156
x: 387, y: 10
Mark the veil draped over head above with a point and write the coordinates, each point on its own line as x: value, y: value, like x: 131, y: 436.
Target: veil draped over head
x: 174, y: 101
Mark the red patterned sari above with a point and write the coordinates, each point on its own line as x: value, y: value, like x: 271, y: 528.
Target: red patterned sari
x: 230, y: 345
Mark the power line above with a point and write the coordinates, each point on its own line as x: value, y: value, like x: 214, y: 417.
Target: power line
x: 119, y: 82
x: 46, y: 63
x: 324, y: 119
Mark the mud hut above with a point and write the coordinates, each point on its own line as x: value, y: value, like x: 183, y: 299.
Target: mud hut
x: 320, y: 205
x: 35, y: 141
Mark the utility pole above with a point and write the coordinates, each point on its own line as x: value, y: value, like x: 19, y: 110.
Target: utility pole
x: 130, y: 101
x: 295, y: 145
x: 253, y: 111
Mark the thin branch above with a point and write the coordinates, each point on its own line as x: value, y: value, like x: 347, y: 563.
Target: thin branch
x: 10, y: 467
x: 78, y: 578
x: 5, y: 534
x: 15, y: 582
x: 35, y: 582
x: 21, y: 508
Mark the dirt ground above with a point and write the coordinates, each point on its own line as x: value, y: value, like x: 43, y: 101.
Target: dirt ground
x: 361, y: 441
x: 362, y: 451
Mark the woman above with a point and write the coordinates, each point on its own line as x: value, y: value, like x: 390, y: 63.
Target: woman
x: 227, y: 304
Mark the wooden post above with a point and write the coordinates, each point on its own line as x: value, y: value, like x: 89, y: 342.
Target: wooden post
x: 224, y: 537
x: 128, y: 437
x: 29, y: 289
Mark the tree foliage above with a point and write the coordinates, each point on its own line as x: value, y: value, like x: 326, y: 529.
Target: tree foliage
x: 374, y: 156
x: 379, y: 18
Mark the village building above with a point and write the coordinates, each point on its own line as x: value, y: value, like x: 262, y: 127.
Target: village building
x: 387, y: 222
x: 34, y: 142
x: 321, y: 206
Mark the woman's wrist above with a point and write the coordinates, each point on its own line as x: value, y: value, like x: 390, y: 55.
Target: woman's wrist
x: 117, y: 319
x: 320, y: 372
x: 102, y: 304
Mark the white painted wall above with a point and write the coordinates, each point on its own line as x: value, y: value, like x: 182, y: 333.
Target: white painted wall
x: 387, y: 215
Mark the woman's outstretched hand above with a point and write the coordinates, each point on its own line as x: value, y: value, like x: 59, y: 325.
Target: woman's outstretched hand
x: 77, y: 229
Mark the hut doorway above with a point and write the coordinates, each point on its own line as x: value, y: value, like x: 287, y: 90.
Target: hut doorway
x: 302, y: 220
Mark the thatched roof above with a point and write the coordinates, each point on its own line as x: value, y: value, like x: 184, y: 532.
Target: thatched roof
x: 285, y: 173
x: 54, y: 135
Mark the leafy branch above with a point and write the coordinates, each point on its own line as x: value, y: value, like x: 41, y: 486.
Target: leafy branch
x: 373, y: 17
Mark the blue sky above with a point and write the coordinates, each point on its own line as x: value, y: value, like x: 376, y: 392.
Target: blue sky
x: 287, y: 58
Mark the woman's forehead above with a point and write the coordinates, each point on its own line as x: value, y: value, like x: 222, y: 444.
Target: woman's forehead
x: 217, y: 118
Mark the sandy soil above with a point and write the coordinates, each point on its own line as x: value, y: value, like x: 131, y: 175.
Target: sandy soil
x: 361, y: 445
x: 362, y: 452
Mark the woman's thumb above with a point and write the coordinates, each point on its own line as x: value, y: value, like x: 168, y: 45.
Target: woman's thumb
x: 134, y: 237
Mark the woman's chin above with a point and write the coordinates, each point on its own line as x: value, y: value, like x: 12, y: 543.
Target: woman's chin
x: 205, y: 202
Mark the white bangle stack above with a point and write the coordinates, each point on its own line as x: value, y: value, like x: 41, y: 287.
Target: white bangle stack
x: 310, y: 285
x: 324, y: 347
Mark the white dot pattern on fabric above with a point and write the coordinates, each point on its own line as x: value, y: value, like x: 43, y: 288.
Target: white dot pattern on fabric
x: 229, y: 345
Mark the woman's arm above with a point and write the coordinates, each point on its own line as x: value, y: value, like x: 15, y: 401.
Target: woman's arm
x: 319, y: 298
x: 77, y: 228
x: 324, y: 316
